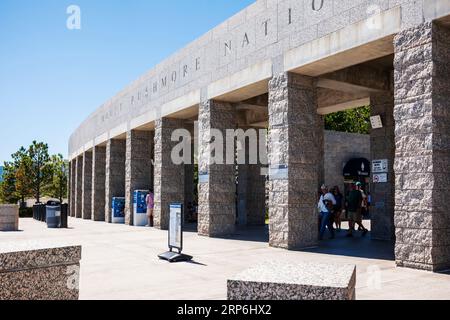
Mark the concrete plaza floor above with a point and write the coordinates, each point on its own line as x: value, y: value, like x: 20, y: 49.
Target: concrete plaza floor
x: 120, y: 262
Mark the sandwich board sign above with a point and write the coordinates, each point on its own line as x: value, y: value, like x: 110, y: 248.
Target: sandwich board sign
x: 175, y: 235
x: 175, y: 227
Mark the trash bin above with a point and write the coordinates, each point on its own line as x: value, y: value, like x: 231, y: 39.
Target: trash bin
x: 43, y: 211
x: 64, y: 213
x: 140, y: 208
x: 35, y: 212
x: 53, y: 216
x: 39, y: 212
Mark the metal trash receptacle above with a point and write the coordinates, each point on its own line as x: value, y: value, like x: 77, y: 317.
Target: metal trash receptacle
x: 53, y: 216
x: 64, y: 214
x: 42, y: 213
x: 35, y: 212
x: 39, y: 212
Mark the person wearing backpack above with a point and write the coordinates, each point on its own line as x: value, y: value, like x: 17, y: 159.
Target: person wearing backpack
x: 326, y: 206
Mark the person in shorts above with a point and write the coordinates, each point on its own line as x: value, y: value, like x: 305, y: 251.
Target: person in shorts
x: 354, y: 202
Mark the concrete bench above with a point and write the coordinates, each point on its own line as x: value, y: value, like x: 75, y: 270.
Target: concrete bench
x: 9, y: 217
x: 39, y: 274
x: 285, y: 281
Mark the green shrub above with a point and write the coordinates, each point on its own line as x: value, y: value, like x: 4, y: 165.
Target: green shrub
x: 26, y: 213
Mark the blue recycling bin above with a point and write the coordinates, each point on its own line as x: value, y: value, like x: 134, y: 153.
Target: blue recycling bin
x: 118, y: 210
x: 140, y: 208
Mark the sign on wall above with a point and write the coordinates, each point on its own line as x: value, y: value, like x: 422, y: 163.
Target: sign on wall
x: 376, y: 122
x: 380, y: 166
x: 280, y: 172
x: 380, y: 178
x: 203, y: 177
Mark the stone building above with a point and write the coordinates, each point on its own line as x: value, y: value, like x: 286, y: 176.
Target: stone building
x: 282, y: 65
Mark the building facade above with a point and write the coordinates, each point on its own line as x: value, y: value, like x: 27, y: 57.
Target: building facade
x: 281, y: 65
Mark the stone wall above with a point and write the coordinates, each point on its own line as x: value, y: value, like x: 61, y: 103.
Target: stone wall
x: 217, y: 185
x: 98, y: 183
x: 169, y: 178
x: 138, y: 167
x: 251, y: 188
x: 9, y: 218
x: 115, y: 174
x: 69, y: 189
x: 41, y: 274
x: 382, y: 145
x: 87, y: 186
x: 422, y: 157
x: 73, y: 198
x: 339, y: 148
x: 78, y: 187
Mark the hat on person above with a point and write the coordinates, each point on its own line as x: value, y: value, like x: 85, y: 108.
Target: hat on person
x: 323, y: 187
x: 358, y: 184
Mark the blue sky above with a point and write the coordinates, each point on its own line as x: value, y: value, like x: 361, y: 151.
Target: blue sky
x: 52, y: 78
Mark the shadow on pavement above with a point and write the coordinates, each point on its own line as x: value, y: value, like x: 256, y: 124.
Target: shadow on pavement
x: 358, y: 246
x: 197, y: 263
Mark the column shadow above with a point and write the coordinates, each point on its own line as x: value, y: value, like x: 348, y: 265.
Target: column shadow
x: 358, y: 246
x: 242, y: 233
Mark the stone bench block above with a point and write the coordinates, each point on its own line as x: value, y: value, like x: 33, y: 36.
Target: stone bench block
x: 39, y: 274
x: 285, y: 281
x: 9, y: 218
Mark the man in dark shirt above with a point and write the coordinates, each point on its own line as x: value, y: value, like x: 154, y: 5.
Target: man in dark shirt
x: 354, y: 202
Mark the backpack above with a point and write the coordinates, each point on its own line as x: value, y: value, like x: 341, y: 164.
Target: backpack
x: 329, y: 205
